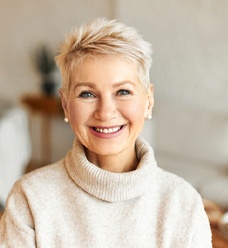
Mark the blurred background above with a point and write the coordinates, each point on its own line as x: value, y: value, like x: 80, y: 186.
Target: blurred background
x: 189, y: 129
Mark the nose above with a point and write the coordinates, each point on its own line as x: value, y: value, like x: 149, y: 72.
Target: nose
x: 106, y: 109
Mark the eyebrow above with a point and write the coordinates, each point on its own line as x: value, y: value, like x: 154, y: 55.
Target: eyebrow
x: 123, y: 83
x: 81, y: 84
x: 93, y: 85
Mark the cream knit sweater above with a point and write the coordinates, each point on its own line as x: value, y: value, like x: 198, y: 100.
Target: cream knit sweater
x: 73, y: 203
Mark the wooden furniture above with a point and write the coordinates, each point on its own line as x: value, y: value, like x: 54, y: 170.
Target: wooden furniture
x: 47, y: 107
x: 218, y: 240
x: 215, y: 213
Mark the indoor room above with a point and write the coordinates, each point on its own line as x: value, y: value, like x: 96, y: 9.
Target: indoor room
x: 189, y: 127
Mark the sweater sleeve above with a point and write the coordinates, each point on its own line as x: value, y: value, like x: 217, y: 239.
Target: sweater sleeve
x: 202, y: 233
x: 16, y: 225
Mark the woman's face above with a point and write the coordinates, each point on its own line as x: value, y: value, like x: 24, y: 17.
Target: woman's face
x: 107, y: 106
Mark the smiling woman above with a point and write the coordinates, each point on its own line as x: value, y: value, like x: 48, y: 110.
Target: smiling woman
x: 107, y: 110
x: 108, y: 191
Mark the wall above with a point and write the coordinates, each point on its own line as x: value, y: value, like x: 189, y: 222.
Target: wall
x: 23, y: 25
x: 190, y: 75
x: 190, y: 48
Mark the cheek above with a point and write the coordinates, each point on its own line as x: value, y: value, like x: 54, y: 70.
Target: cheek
x: 79, y: 113
x: 75, y: 113
x: 135, y: 110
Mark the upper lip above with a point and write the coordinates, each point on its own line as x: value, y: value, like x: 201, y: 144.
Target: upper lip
x: 103, y: 127
x: 107, y: 129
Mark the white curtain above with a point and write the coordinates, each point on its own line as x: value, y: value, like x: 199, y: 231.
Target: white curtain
x: 15, y: 148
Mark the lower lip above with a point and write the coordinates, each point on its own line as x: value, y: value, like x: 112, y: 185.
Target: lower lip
x: 107, y: 135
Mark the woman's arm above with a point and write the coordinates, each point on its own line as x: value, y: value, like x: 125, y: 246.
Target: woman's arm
x: 16, y: 225
x: 202, y: 237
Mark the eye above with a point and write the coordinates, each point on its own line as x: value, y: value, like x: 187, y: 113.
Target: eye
x: 123, y: 92
x: 86, y: 94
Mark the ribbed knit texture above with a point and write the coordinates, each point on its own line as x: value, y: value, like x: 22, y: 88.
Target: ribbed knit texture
x: 73, y: 203
x: 109, y: 186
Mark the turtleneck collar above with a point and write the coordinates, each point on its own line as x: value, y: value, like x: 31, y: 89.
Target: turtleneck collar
x: 111, y: 186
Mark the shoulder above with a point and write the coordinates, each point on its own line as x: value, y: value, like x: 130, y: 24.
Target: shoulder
x: 50, y: 172
x: 41, y: 179
x: 181, y: 208
x: 176, y: 188
x: 42, y: 187
x: 169, y: 179
x: 179, y: 197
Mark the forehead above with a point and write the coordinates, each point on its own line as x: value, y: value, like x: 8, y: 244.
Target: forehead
x: 109, y: 68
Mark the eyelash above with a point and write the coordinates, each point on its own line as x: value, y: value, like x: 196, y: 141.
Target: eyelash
x: 89, y: 95
x: 123, y: 92
x: 86, y: 94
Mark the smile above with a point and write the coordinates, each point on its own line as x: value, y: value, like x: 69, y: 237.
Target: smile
x: 107, y: 130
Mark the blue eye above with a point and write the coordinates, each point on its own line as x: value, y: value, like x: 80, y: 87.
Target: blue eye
x: 123, y: 92
x: 86, y: 94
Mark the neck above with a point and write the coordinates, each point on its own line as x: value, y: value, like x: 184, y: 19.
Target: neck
x: 123, y: 162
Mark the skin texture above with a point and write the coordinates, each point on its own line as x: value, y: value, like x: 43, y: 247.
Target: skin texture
x: 106, y: 108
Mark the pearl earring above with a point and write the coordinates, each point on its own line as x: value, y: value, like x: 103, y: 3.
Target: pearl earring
x: 66, y: 119
x: 149, y: 117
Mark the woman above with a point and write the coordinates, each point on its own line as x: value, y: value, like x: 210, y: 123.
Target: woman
x: 108, y: 190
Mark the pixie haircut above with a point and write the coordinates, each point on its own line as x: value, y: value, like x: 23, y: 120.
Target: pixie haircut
x: 101, y: 38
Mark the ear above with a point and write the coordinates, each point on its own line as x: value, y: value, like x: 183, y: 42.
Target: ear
x: 64, y: 103
x: 150, y: 100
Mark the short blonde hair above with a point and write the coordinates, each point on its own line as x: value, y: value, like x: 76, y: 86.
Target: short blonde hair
x: 99, y: 38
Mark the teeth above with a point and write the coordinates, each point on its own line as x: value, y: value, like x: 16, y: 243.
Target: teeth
x: 107, y: 130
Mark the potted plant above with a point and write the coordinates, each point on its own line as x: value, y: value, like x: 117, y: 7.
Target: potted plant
x: 44, y: 63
